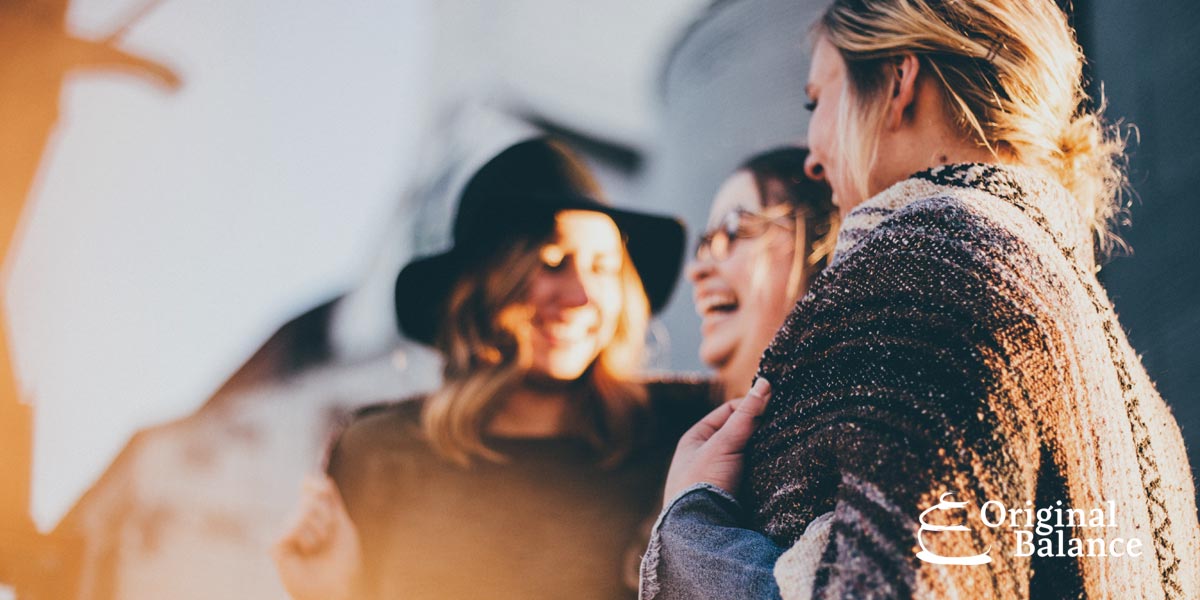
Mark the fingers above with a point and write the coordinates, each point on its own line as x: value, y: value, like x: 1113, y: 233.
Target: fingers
x: 755, y: 401
x: 739, y: 425
x: 319, y: 485
x: 706, y: 427
x: 327, y: 489
x: 312, y: 525
x: 750, y: 407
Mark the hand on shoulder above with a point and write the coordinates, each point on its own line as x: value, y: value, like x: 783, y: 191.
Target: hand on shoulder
x: 711, y: 451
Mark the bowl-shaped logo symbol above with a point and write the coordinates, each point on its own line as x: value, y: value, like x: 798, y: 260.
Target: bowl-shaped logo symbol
x: 931, y: 557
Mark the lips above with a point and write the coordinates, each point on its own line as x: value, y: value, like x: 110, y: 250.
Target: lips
x: 565, y: 332
x: 717, y: 302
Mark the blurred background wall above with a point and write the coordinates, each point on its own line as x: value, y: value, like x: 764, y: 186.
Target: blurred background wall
x: 214, y: 199
x: 1144, y: 55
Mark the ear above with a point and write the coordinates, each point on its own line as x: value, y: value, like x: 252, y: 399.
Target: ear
x: 904, y: 88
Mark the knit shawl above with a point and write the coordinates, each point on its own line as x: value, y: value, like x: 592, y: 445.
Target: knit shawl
x: 960, y: 342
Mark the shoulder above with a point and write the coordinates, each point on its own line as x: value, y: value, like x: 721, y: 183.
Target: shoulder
x: 383, y: 425
x: 949, y: 247
x: 404, y: 409
x: 948, y: 274
x: 949, y: 266
x: 978, y: 215
x: 952, y: 224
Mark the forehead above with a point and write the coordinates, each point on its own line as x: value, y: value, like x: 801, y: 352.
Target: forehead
x: 584, y: 229
x: 826, y: 63
x: 739, y: 191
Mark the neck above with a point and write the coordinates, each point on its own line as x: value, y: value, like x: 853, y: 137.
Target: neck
x: 735, y: 382
x: 928, y: 136
x: 533, y: 410
x: 736, y: 375
x: 917, y: 157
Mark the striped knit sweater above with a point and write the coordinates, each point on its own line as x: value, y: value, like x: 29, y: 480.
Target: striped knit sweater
x: 960, y: 342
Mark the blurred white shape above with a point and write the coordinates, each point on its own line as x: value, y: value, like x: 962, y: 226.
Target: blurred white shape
x: 170, y: 234
x: 400, y: 360
x: 591, y: 66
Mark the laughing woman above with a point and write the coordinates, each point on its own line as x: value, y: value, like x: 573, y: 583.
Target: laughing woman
x: 958, y: 351
x: 771, y: 230
x: 528, y: 474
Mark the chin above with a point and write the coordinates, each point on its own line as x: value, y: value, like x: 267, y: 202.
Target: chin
x: 564, y: 368
x: 714, y: 360
x: 562, y: 375
x: 717, y: 350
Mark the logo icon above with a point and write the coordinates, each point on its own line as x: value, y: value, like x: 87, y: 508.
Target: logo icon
x: 932, y: 557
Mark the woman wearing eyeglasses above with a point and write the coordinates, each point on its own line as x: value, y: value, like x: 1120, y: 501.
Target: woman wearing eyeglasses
x: 771, y: 230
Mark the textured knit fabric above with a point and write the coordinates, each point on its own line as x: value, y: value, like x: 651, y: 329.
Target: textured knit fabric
x: 549, y: 523
x: 960, y: 342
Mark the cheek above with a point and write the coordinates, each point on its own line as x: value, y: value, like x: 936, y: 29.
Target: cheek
x: 822, y: 128
x: 540, y: 287
x: 770, y: 291
x: 814, y: 132
x: 609, y: 304
x: 737, y: 271
x: 775, y: 302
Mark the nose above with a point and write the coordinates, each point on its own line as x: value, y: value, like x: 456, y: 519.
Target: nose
x: 572, y: 289
x: 698, y: 269
x: 813, y: 168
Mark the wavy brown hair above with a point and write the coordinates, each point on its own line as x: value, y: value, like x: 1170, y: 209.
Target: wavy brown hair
x: 485, y: 342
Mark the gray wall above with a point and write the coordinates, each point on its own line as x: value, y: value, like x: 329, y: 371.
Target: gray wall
x: 1145, y: 55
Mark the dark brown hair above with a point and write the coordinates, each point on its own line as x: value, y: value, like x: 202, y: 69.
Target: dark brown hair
x: 811, y: 199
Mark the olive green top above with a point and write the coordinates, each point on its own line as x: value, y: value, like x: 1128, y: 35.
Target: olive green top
x: 549, y: 523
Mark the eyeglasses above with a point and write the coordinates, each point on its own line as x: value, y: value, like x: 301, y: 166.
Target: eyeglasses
x: 741, y: 224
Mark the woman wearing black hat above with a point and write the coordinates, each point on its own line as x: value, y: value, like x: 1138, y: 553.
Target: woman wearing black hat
x: 530, y: 471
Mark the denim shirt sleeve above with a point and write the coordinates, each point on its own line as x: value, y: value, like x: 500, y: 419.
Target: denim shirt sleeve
x: 700, y: 549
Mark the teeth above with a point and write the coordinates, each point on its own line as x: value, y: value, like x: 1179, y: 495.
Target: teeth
x: 710, y: 302
x: 567, y: 332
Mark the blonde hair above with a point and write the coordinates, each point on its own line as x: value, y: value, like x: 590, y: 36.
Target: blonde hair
x: 1011, y: 70
x: 485, y: 342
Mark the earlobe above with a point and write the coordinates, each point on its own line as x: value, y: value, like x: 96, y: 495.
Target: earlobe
x: 904, y: 89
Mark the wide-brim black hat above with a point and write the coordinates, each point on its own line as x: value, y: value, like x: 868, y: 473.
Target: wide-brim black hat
x: 516, y: 196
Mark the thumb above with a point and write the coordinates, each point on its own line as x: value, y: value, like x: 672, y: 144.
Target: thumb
x: 736, y: 431
x: 756, y: 399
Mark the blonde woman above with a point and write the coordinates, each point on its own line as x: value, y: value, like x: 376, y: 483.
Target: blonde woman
x: 528, y: 473
x: 957, y: 364
x: 771, y: 230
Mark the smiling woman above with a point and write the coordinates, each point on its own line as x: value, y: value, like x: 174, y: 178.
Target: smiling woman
x: 771, y: 230
x: 576, y: 295
x: 530, y: 472
x: 569, y: 308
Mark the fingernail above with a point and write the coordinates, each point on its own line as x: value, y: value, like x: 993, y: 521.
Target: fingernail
x: 762, y: 386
